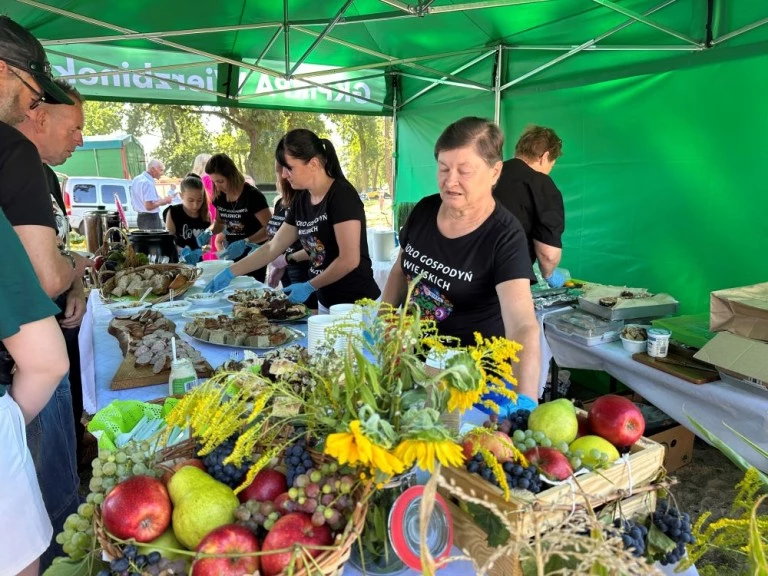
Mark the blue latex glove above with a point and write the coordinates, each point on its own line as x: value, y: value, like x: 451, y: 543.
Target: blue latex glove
x: 523, y: 403
x: 556, y: 279
x: 221, y: 280
x: 189, y: 256
x: 237, y: 249
x: 203, y: 238
x: 298, y: 293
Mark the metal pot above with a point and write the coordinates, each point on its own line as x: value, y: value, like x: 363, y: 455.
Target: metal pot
x: 158, y: 245
x: 96, y: 224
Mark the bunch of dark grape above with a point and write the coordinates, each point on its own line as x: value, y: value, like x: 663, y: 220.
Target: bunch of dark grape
x: 677, y: 527
x: 134, y: 564
x: 633, y: 535
x: 516, y: 421
x: 229, y: 474
x: 518, y: 477
x: 297, y: 460
x: 254, y: 515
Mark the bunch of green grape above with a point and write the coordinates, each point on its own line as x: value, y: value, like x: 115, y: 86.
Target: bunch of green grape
x: 527, y: 439
x: 77, y: 538
x: 111, y: 468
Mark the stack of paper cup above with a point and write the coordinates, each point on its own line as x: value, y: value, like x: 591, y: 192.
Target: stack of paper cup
x: 349, y: 320
x: 317, y: 327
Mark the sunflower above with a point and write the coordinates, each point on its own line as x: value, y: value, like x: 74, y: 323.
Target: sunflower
x: 463, y: 401
x: 424, y: 452
x: 354, y: 447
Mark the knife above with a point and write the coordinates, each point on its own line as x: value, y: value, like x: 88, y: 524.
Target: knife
x: 685, y: 364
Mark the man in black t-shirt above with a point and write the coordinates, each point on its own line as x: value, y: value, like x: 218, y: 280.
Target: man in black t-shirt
x: 526, y: 190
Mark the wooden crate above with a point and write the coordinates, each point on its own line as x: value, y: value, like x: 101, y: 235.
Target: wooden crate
x: 643, y: 466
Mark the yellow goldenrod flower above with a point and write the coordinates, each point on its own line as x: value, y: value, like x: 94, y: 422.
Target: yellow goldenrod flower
x: 424, y: 452
x: 354, y: 447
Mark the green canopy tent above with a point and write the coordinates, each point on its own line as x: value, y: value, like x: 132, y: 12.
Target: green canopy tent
x: 658, y: 102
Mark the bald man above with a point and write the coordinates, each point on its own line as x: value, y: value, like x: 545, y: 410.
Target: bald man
x: 145, y: 199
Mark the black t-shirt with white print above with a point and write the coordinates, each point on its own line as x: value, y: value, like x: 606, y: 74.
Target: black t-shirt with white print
x: 460, y: 275
x: 239, y: 217
x: 278, y: 217
x: 187, y: 227
x: 316, y: 234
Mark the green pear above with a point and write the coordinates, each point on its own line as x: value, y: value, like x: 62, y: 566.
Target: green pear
x: 200, y: 504
x: 556, y: 419
x: 164, y: 543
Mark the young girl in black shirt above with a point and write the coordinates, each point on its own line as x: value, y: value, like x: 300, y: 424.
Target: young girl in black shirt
x: 188, y: 219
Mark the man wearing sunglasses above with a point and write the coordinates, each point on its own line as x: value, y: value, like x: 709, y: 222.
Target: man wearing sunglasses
x: 25, y: 83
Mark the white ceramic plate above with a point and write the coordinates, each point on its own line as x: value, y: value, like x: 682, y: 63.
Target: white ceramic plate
x: 204, y: 299
x: 202, y: 313
x: 126, y: 309
x: 172, y: 308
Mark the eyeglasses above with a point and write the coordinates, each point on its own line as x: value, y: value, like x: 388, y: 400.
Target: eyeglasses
x: 39, y: 95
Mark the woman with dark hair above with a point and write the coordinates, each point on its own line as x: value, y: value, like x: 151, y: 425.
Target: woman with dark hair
x: 187, y: 220
x: 242, y: 212
x: 292, y: 267
x: 471, y: 252
x: 327, y: 217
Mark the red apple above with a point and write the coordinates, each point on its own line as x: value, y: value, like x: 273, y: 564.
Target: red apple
x: 295, y: 528
x: 98, y: 262
x: 137, y: 508
x: 227, y: 539
x: 266, y: 486
x: 617, y: 419
x: 552, y: 463
x: 284, y: 504
x: 497, y: 443
x: 584, y: 429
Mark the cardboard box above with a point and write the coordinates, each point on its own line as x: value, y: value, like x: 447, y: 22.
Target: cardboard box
x: 742, y: 311
x: 739, y: 358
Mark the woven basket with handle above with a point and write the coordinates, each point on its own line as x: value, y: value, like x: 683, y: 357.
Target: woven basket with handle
x: 328, y: 563
x: 184, y: 278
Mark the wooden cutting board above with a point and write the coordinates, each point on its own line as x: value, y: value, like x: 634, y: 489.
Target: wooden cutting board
x: 691, y: 375
x: 128, y: 375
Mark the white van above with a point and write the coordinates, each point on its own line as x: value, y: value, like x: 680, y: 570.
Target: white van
x: 87, y: 193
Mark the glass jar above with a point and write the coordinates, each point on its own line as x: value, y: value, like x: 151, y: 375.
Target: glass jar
x: 379, y: 557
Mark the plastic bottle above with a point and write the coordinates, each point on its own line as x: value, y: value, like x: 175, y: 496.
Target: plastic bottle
x: 183, y: 377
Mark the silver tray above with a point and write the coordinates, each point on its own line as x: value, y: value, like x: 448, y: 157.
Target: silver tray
x: 631, y: 313
x: 295, y: 335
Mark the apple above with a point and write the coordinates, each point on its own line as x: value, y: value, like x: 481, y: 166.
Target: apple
x: 552, y: 463
x: 227, y: 539
x: 137, y: 508
x: 98, y: 262
x: 497, y: 443
x: 617, y: 419
x: 266, y: 486
x: 284, y: 503
x: 584, y: 429
x: 294, y: 528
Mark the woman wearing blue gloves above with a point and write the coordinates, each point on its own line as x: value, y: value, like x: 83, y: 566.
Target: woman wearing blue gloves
x: 327, y: 217
x: 471, y: 254
x: 242, y: 212
x: 187, y: 220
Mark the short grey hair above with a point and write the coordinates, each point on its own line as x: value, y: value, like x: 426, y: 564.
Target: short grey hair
x: 155, y: 163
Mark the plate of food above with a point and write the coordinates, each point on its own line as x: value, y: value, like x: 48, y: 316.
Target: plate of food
x: 239, y: 296
x: 203, y: 299
x: 194, y: 313
x: 127, y: 309
x: 252, y: 333
x: 273, y: 305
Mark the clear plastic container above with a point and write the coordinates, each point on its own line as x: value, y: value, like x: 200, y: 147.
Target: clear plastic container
x: 183, y: 377
x: 584, y: 327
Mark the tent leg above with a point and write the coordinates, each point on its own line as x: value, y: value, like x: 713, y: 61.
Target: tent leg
x: 497, y: 84
x: 394, y: 147
x: 287, y: 32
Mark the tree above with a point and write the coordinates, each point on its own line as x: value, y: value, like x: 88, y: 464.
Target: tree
x: 363, y: 138
x: 103, y: 118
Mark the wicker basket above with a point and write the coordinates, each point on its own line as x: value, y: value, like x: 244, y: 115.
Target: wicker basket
x: 190, y: 273
x: 328, y: 563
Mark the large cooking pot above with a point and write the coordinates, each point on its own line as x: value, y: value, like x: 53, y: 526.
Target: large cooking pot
x: 96, y: 223
x: 156, y: 244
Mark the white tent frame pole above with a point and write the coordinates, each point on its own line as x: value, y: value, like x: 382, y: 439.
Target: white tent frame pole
x: 399, y: 5
x: 394, y: 152
x: 458, y: 70
x: 611, y: 48
x: 166, y: 34
x: 480, y: 5
x: 583, y: 47
x: 445, y: 82
x: 497, y: 84
x: 643, y: 20
x: 263, y: 53
x: 739, y: 32
x: 181, y: 47
x: 320, y: 36
x: 287, y: 37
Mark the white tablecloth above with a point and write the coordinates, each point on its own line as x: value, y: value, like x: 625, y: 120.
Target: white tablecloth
x: 713, y: 405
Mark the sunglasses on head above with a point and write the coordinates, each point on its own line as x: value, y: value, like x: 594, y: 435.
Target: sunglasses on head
x: 39, y: 96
